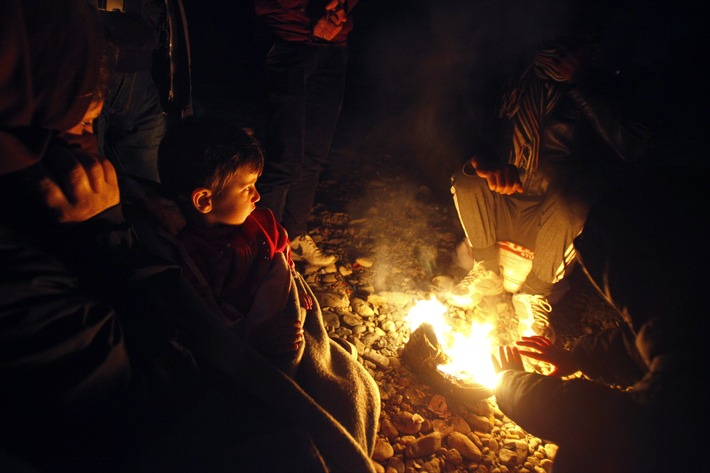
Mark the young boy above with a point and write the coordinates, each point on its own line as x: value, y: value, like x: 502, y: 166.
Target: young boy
x: 212, y: 168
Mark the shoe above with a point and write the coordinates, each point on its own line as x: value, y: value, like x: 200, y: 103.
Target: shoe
x: 478, y: 282
x: 304, y: 249
x: 532, y: 311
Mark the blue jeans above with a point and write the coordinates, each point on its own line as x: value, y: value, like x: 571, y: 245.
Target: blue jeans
x: 132, y: 124
x: 305, y: 84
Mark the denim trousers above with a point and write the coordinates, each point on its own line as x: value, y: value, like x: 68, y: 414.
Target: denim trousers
x: 132, y: 124
x: 305, y: 86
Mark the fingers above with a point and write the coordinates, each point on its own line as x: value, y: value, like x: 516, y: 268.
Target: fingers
x: 277, y: 338
x: 504, y: 179
x: 536, y: 342
x: 533, y: 354
x: 78, y: 186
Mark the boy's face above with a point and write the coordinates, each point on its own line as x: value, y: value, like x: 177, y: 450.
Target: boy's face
x: 236, y: 202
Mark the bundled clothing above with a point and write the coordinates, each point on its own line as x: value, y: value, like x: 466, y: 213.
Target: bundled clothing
x: 233, y: 260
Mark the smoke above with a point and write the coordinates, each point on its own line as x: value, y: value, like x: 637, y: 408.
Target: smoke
x: 435, y: 70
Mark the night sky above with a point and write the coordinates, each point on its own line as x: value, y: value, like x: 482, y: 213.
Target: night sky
x: 425, y: 75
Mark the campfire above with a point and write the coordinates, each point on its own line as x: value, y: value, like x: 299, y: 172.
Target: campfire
x: 452, y: 352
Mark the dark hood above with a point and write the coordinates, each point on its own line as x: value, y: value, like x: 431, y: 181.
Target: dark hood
x: 645, y: 247
x: 49, y: 66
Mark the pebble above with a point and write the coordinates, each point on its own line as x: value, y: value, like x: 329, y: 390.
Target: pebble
x: 366, y: 301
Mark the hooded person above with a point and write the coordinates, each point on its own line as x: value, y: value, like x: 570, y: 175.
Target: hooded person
x: 640, y: 405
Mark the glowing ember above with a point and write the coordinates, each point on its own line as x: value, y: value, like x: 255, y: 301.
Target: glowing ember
x: 470, y: 353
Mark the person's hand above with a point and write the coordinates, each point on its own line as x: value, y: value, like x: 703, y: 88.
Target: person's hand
x: 502, y: 178
x: 508, y: 359
x: 542, y: 349
x: 78, y: 186
x: 276, y: 336
x: 331, y: 24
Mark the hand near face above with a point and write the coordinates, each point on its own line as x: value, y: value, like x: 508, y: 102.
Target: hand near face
x: 78, y: 186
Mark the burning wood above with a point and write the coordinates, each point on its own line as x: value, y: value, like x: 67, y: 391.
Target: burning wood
x: 423, y: 354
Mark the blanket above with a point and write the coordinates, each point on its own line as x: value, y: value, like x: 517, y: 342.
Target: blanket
x: 321, y: 389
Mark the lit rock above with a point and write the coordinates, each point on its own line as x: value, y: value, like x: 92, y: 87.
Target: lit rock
x: 551, y: 450
x: 381, y: 361
x: 395, y: 465
x: 388, y: 429
x: 442, y: 426
x: 465, y: 446
x: 454, y: 457
x: 365, y: 262
x: 361, y: 307
x: 408, y: 423
x: 352, y: 320
x: 423, y: 446
x: 332, y: 299
x: 438, y: 405
x: 432, y: 466
x: 480, y: 423
x: 460, y: 425
x: 383, y: 450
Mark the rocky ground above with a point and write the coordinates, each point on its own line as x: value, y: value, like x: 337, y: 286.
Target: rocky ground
x: 395, y: 233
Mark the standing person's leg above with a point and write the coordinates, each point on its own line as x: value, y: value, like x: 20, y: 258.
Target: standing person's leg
x: 132, y: 125
x: 287, y: 66
x: 325, y: 88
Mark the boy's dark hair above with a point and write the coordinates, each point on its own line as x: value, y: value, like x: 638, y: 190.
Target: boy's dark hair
x: 206, y: 153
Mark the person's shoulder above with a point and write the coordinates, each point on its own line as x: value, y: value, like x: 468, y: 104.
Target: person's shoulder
x: 265, y: 219
x: 264, y: 216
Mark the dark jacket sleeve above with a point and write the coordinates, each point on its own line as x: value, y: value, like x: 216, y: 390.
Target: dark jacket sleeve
x: 595, y: 426
x: 610, y: 356
x: 629, y: 139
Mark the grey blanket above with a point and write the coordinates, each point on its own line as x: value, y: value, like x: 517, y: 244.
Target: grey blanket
x: 321, y: 389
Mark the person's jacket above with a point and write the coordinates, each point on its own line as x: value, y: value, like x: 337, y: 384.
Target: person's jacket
x: 152, y: 35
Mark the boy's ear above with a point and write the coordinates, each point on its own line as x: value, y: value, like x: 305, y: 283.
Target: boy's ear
x: 202, y: 200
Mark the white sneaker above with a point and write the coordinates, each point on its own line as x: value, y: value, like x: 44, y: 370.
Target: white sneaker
x: 304, y: 249
x: 478, y: 282
x: 532, y: 311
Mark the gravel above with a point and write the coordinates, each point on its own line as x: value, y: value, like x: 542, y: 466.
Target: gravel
x: 394, y: 234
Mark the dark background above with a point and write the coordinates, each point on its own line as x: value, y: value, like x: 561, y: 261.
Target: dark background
x: 424, y: 75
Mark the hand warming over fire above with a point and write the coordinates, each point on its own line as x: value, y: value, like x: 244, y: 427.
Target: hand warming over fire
x: 502, y: 178
x: 544, y: 350
x: 509, y: 360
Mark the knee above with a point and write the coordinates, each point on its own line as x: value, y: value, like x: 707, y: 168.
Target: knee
x: 467, y: 184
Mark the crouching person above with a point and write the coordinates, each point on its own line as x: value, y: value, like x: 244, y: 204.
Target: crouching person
x: 641, y: 405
